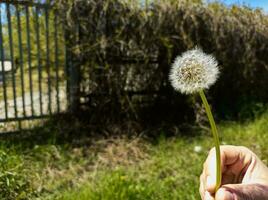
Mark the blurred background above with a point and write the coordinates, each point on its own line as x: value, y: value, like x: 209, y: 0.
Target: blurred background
x: 131, y: 54
x: 86, y: 107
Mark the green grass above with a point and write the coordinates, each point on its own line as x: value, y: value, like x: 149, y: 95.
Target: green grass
x: 118, y: 168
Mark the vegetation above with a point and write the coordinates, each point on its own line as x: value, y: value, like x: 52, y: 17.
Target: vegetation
x: 125, y: 50
x: 54, y: 163
x: 131, y: 48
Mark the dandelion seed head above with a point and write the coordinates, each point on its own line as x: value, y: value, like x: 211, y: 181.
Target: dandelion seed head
x: 193, y: 71
x: 198, y: 149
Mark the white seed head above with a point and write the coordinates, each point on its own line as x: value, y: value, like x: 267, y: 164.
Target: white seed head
x: 193, y: 71
x: 198, y: 149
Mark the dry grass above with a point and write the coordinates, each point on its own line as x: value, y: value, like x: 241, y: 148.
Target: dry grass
x: 122, y: 152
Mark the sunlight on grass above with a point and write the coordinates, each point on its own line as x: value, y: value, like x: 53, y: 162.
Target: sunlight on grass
x: 118, y: 168
x: 173, y: 168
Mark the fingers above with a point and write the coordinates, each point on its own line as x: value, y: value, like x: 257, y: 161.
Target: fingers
x: 201, y: 187
x: 242, y: 192
x: 233, y: 161
x: 238, y: 165
x: 205, y: 195
x: 208, y: 196
x: 223, y: 194
x: 227, y: 156
x: 239, y: 192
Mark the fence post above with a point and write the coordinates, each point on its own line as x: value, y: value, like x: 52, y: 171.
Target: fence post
x: 74, y: 87
x: 73, y: 75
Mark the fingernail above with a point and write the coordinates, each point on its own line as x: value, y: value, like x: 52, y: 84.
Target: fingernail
x: 210, y: 183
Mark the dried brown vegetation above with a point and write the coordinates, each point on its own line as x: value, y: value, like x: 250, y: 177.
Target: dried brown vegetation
x: 125, y: 51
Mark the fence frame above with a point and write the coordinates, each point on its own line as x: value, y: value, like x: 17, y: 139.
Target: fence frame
x: 71, y: 71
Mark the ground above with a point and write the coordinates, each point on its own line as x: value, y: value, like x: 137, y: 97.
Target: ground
x: 104, y: 166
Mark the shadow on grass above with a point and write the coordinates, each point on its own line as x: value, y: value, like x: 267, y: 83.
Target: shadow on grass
x: 80, y: 130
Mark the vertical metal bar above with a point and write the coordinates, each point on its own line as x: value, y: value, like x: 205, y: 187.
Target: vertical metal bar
x: 67, y: 60
x: 29, y: 56
x: 74, y: 89
x: 21, y: 58
x: 12, y: 59
x: 3, y: 65
x: 56, y: 60
x: 47, y: 59
x: 74, y: 78
x: 37, y: 31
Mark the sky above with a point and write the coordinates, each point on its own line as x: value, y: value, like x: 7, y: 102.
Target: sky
x: 252, y: 3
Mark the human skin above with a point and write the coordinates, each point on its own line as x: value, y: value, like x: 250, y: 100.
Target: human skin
x: 244, y: 175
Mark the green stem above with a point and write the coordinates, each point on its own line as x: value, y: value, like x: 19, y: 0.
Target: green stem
x: 215, y: 137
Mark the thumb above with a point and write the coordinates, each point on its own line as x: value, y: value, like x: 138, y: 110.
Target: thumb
x: 242, y: 192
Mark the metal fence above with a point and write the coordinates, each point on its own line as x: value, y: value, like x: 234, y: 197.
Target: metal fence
x: 33, y: 78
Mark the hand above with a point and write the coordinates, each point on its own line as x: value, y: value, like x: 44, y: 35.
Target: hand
x: 244, y: 176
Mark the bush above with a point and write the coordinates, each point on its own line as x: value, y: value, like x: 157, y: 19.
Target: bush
x: 14, y: 184
x: 125, y: 51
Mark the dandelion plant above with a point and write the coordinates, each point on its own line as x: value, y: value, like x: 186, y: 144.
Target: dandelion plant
x: 192, y: 72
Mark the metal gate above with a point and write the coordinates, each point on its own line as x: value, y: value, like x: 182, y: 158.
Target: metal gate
x: 33, y: 81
